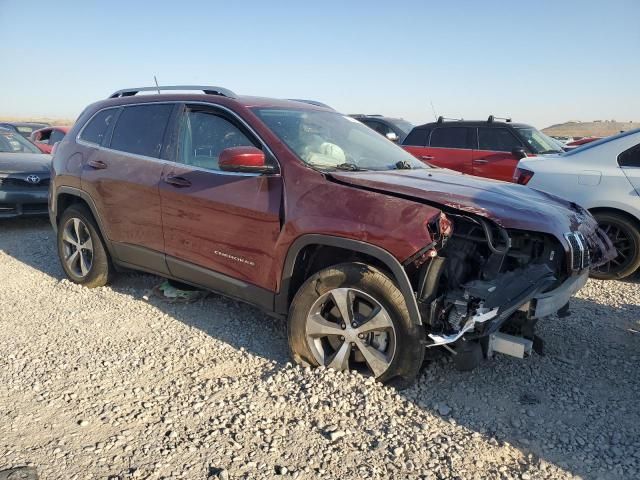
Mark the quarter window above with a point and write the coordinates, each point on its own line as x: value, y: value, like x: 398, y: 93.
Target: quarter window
x: 450, y: 137
x: 140, y: 129
x: 497, y: 139
x: 97, y: 128
x: 630, y: 158
x: 204, y: 135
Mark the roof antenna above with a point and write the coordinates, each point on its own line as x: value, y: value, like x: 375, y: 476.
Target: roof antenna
x: 433, y: 109
x: 157, y: 86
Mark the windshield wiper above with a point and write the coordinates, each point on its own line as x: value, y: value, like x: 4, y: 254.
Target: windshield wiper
x: 403, y: 165
x: 349, y: 166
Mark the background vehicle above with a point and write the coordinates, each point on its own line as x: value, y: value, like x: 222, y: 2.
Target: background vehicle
x: 24, y: 176
x: 395, y: 129
x: 23, y: 128
x: 488, y: 148
x: 310, y: 215
x: 579, y: 142
x: 604, y: 177
x: 47, y: 137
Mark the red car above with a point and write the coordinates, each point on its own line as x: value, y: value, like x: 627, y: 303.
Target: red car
x: 487, y: 148
x: 46, y: 138
x: 370, y: 255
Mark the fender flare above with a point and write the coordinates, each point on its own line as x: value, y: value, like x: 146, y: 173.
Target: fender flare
x: 81, y: 194
x: 394, y: 266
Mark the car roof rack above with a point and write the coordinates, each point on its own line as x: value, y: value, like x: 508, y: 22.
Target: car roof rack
x: 441, y: 119
x: 129, y: 92
x: 492, y: 118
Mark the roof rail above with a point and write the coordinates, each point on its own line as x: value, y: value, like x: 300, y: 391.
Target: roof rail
x: 441, y: 119
x: 492, y: 118
x: 128, y: 92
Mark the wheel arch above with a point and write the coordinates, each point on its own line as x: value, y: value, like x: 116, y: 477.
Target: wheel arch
x: 68, y: 196
x: 635, y: 220
x: 378, y: 257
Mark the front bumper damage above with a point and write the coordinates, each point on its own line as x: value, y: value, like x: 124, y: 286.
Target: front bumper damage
x: 529, y: 299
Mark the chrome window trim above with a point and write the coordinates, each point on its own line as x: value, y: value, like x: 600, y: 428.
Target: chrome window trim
x: 169, y: 162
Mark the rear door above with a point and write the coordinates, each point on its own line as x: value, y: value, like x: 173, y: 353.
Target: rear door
x: 122, y: 177
x: 493, y: 157
x: 450, y: 147
x: 629, y: 162
x: 220, y: 228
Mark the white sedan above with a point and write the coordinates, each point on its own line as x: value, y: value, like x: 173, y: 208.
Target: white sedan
x: 603, y: 177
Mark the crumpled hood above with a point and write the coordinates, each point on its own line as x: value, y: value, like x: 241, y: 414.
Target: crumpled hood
x: 24, y: 163
x: 508, y: 204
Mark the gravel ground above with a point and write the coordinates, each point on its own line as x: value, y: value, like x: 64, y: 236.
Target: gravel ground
x: 115, y: 383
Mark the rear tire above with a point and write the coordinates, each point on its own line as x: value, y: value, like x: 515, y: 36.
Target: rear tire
x: 82, y: 252
x: 381, y: 341
x: 624, y: 235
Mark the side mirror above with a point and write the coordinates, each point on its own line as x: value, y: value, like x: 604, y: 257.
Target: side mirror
x: 244, y: 160
x: 519, y: 153
x: 393, y: 136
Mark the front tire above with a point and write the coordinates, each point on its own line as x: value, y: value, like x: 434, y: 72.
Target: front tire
x: 82, y: 253
x: 353, y: 317
x: 625, y: 237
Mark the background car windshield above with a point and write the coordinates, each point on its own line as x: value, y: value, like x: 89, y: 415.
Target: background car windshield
x: 329, y: 140
x: 539, y: 142
x: 403, y: 125
x: 14, y: 143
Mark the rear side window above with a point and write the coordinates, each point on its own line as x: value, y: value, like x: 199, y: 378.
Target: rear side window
x: 418, y: 137
x: 140, y: 129
x: 450, y: 137
x: 630, y: 158
x: 204, y: 135
x: 98, y: 126
x: 497, y: 139
x: 379, y: 127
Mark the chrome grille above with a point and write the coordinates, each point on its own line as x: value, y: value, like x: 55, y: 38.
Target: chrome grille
x: 20, y: 183
x: 579, y: 249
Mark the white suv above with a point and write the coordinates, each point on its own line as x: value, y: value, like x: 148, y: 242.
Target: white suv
x: 603, y: 177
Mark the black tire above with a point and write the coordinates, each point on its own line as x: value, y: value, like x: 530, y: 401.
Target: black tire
x: 623, y: 233
x: 101, y: 269
x: 409, y: 347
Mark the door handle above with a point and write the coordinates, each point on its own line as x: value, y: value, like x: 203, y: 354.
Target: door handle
x: 97, y: 164
x: 426, y: 157
x: 179, y: 182
x: 480, y: 161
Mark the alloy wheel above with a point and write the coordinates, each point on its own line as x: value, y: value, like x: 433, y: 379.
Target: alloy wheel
x: 77, y: 247
x: 347, y: 329
x: 623, y: 244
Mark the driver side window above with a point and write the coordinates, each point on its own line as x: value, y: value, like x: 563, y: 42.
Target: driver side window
x: 203, y: 135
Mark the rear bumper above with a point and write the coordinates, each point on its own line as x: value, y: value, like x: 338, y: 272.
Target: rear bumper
x: 17, y: 203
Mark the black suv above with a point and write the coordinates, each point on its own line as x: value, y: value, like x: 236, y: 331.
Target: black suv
x: 395, y: 129
x: 485, y: 148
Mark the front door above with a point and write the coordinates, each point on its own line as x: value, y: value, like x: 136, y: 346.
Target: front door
x: 220, y: 228
x: 493, y: 158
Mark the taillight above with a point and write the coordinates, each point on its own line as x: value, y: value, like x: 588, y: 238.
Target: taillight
x: 522, y: 176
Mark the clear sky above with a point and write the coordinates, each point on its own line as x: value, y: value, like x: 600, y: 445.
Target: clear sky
x: 539, y: 61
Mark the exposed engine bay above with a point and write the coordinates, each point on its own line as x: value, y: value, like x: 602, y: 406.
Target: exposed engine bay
x: 479, y: 275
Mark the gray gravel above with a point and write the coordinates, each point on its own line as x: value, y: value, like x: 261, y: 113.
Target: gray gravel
x: 116, y: 383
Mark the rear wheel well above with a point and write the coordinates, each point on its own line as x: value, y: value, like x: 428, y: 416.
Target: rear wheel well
x: 313, y: 258
x: 616, y: 211
x: 65, y: 200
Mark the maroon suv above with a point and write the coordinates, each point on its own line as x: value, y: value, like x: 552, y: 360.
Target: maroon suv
x: 372, y: 255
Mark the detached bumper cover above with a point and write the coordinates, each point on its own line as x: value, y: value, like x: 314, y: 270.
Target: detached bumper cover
x: 549, y: 303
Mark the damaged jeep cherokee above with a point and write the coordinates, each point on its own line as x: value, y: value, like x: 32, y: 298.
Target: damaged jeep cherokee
x: 371, y: 255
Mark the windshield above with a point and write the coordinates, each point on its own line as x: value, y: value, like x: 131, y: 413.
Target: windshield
x: 13, y: 143
x: 329, y: 140
x: 538, y: 141
x: 403, y: 125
